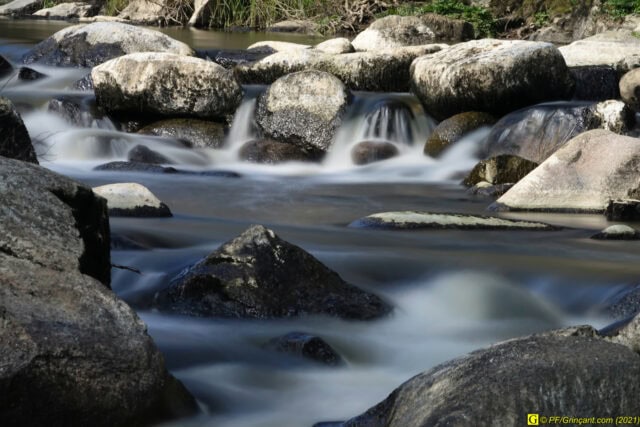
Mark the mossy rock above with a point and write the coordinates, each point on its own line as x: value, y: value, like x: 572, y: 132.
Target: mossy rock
x: 503, y: 169
x: 451, y: 130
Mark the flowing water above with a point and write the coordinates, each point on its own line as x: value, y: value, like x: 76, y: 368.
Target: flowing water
x: 453, y: 291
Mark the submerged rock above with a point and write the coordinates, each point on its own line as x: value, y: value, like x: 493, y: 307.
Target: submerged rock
x: 144, y: 154
x: 166, y: 84
x: 623, y: 210
x: 132, y: 199
x: 503, y: 169
x: 195, y: 133
x: 303, y: 109
x: 571, y: 371
x: 582, y: 176
x: 453, y: 129
x: 307, y: 346
x: 120, y: 166
x: 410, y: 220
x: 259, y: 275
x: 5, y: 67
x: 30, y: 75
x: 617, y: 232
x: 366, y: 152
x: 93, y: 44
x: 273, y: 152
x: 493, y: 76
x: 15, y: 142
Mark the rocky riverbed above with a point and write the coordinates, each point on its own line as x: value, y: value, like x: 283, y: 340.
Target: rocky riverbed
x: 552, y: 141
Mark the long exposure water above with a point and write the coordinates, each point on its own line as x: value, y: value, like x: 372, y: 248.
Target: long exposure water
x: 453, y: 291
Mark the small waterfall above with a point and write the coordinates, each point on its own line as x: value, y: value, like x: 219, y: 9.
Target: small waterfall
x: 244, y: 127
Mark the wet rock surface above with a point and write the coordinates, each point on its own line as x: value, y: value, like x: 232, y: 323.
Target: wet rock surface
x: 307, y: 346
x: 503, y: 169
x: 274, y: 152
x: 259, y: 275
x: 15, y: 142
x: 195, y: 133
x: 144, y: 154
x: 453, y: 129
x: 617, y: 232
x: 623, y: 210
x: 366, y: 152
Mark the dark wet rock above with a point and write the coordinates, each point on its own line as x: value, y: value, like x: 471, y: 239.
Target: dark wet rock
x: 73, y: 353
x: 623, y: 210
x: 595, y: 83
x: 503, y: 169
x: 29, y: 74
x: 144, y: 154
x: 366, y: 152
x: 273, y: 152
x: 623, y: 304
x: 84, y: 83
x: 304, y: 109
x: 307, y: 346
x: 93, y: 44
x: 120, y: 166
x: 617, y: 232
x: 486, y: 189
x: 630, y: 89
x: 15, y: 142
x: 617, y: 49
x: 5, y: 67
x: 80, y: 111
x: 537, y: 132
x: 453, y: 129
x: 153, y: 83
x: 494, y: 76
x: 411, y: 220
x: 133, y: 200
x: 195, y: 133
x: 229, y: 58
x: 20, y: 7
x: 567, y: 371
x: 259, y: 275
x: 582, y: 176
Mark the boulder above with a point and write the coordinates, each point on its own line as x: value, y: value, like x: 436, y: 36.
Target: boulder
x: 65, y: 11
x: 20, y: 7
x: 5, y: 67
x: 273, y: 152
x: 132, y: 199
x: 490, y: 75
x: 15, y: 142
x: 166, y: 84
x: 453, y: 129
x: 194, y: 133
x: 92, y: 44
x: 259, y: 275
x: 397, y: 31
x: 617, y: 49
x: 537, y: 132
x: 79, y: 110
x: 294, y: 26
x: 335, y: 46
x: 623, y: 210
x: 411, y: 220
x: 144, y: 154
x: 571, y: 371
x: 503, y: 169
x: 279, y: 64
x: 366, y: 152
x: 304, y: 109
x: 150, y: 12
x: 30, y: 75
x: 307, y: 346
x: 73, y: 353
x: 582, y: 176
x: 630, y: 89
x: 617, y: 232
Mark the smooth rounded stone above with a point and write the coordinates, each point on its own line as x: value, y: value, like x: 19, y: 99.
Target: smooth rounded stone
x: 5, y: 67
x: 397, y: 31
x: 493, y: 76
x: 617, y: 49
x: 30, y: 75
x: 595, y: 82
x: 615, y: 116
x: 294, y: 26
x: 366, y: 152
x: 274, y: 152
x: 195, y: 133
x: 65, y: 11
x: 15, y: 142
x: 166, y: 84
x: 304, y: 109
x: 132, y: 199
x: 276, y: 46
x: 623, y: 210
x: 453, y: 129
x: 617, y: 232
x: 307, y: 346
x: 335, y: 46
x: 499, y: 385
x: 259, y: 275
x: 20, y: 7
x: 503, y: 169
x: 144, y: 154
x: 582, y: 176
x: 92, y: 44
x: 121, y: 166
x: 537, y: 132
x: 630, y: 89
x: 411, y: 220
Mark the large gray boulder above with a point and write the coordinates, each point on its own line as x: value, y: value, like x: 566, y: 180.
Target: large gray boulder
x: 73, y: 353
x: 92, y: 44
x: 304, y: 109
x: 65, y: 11
x: 259, y: 275
x: 166, y: 84
x: 15, y: 142
x: 20, y: 7
x: 617, y: 49
x: 493, y: 76
x: 573, y: 371
x: 397, y: 31
x: 583, y: 175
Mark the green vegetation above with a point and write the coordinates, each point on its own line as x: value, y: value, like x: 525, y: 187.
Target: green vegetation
x: 621, y: 8
x: 113, y: 7
x: 541, y: 19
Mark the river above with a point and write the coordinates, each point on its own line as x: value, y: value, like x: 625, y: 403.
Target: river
x: 453, y: 291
